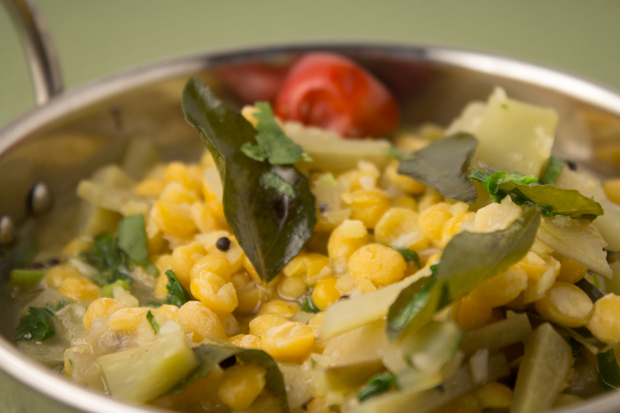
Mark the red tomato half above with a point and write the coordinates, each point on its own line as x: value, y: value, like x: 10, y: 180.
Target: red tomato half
x: 334, y: 93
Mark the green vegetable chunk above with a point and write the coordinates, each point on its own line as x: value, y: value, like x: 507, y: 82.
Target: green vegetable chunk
x: 542, y: 372
x: 210, y: 355
x: 37, y: 325
x: 177, y: 294
x: 25, y: 277
x: 270, y: 225
x: 444, y: 166
x: 553, y: 170
x: 468, y: 260
x: 273, y: 144
x: 376, y: 385
x: 132, y: 240
x: 146, y: 372
x: 525, y: 191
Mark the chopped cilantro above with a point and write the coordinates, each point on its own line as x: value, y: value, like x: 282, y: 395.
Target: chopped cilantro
x: 492, y: 182
x: 151, y: 319
x: 309, y: 306
x: 408, y: 255
x: 111, y: 262
x: 376, y: 385
x: 37, y: 325
x: 54, y: 310
x: 177, y: 294
x: 132, y: 241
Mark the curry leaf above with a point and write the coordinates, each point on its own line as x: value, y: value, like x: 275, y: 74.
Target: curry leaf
x: 444, y: 166
x: 468, y: 260
x: 552, y: 200
x: 376, y: 385
x: 211, y: 355
x: 37, y: 325
x: 608, y: 370
x: 271, y: 180
x: 553, y: 170
x: 177, y: 294
x: 408, y: 255
x: 132, y: 240
x: 270, y: 226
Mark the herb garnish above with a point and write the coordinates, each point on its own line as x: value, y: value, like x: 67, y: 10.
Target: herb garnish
x: 108, y: 259
x: 151, y: 319
x: 211, y: 355
x: 37, y: 325
x: 408, y: 255
x: 309, y: 306
x: 376, y: 385
x: 61, y: 304
x: 468, y: 260
x: 273, y: 144
x: 550, y: 199
x: 553, y: 170
x: 444, y: 165
x: 177, y: 294
x: 132, y: 241
x: 270, y: 225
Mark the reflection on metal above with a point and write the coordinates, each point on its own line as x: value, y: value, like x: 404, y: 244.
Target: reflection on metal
x: 40, y: 199
x: 8, y: 232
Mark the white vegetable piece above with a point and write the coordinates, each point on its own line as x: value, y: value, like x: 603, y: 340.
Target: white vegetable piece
x: 113, y: 199
x: 514, y: 136
x: 356, y: 312
x: 609, y: 223
x: 514, y: 329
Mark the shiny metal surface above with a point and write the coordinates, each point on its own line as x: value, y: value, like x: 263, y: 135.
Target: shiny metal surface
x: 84, y: 128
x: 42, y: 59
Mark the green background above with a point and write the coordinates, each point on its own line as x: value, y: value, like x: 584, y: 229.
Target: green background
x: 97, y: 38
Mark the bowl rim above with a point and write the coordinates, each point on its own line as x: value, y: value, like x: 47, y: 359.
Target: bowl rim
x: 38, y: 377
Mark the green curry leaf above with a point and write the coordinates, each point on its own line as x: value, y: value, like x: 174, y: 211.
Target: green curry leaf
x: 210, y: 355
x: 132, y: 240
x: 376, y: 385
x: 468, y: 260
x: 444, y: 165
x: 552, y: 200
x: 553, y: 170
x: 270, y: 225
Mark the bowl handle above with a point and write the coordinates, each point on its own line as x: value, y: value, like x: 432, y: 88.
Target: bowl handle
x: 37, y: 44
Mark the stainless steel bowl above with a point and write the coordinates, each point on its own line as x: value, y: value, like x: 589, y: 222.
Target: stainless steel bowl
x: 72, y: 133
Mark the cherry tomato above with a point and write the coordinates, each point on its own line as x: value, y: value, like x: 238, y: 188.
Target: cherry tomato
x: 254, y: 81
x: 334, y: 93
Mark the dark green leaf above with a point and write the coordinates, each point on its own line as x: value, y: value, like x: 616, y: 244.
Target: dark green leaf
x: 376, y: 385
x: 254, y: 151
x: 408, y: 255
x: 552, y: 171
x: 107, y: 257
x: 151, y: 319
x: 132, y: 240
x: 608, y: 370
x: 590, y: 289
x: 468, y: 260
x: 551, y: 200
x: 581, y: 334
x: 211, y: 355
x: 394, y: 153
x: 271, y: 180
x: 309, y: 306
x: 26, y: 277
x: 444, y: 166
x: 271, y: 227
x: 575, y: 346
x: 177, y: 294
x: 37, y: 325
x: 61, y: 304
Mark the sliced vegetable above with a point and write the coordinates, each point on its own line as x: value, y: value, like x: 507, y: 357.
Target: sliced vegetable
x: 376, y: 385
x: 177, y: 294
x: 273, y: 144
x: 211, y: 355
x: 26, y: 277
x: 334, y: 93
x: 552, y: 200
x: 132, y: 240
x: 271, y: 227
x: 37, y: 325
x: 110, y: 198
x: 150, y: 370
x: 444, y: 166
x: 514, y: 329
x: 608, y: 370
x: 140, y: 156
x: 542, y: 372
x: 468, y: 260
x: 432, y: 346
x: 553, y: 170
x: 344, y: 378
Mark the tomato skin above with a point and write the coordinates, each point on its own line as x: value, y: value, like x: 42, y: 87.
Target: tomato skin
x: 332, y: 92
x: 254, y: 81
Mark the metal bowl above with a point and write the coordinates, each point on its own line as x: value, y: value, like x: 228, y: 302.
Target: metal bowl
x: 73, y: 133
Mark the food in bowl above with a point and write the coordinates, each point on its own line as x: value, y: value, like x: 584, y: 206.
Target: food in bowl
x: 294, y: 269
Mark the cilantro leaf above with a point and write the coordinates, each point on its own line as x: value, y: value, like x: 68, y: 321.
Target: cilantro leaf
x: 444, y: 166
x: 112, y: 263
x: 376, y: 385
x: 132, y: 241
x: 273, y: 144
x: 309, y: 306
x: 37, y: 325
x: 61, y: 304
x: 553, y: 170
x: 524, y: 190
x: 177, y: 294
x: 151, y: 319
x: 408, y: 255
